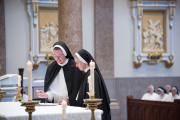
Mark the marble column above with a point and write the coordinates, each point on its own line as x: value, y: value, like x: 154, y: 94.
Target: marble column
x: 2, y: 40
x: 70, y: 23
x: 104, y: 45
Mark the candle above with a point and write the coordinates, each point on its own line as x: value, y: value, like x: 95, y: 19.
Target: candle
x: 92, y: 67
x: 64, y: 105
x: 19, y: 80
x: 29, y: 68
x: 89, y: 81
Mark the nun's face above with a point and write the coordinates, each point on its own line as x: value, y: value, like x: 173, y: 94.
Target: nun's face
x: 82, y: 66
x: 167, y: 89
x: 173, y: 90
x: 59, y: 56
x: 150, y: 89
x: 160, y: 93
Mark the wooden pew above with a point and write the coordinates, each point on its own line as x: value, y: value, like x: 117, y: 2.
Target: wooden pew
x: 152, y: 110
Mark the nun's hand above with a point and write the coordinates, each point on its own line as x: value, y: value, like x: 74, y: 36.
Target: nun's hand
x: 59, y: 102
x: 41, y: 94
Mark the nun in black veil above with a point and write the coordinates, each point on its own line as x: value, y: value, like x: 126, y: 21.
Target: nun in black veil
x: 82, y: 59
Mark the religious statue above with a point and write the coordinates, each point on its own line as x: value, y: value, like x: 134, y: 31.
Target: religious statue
x: 48, y: 36
x: 153, y: 37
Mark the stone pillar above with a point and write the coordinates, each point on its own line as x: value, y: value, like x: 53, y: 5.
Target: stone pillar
x: 2, y: 40
x: 104, y: 43
x: 70, y: 23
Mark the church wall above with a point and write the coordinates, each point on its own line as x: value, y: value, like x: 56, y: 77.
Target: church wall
x: 2, y: 40
x: 123, y: 45
x: 17, y: 35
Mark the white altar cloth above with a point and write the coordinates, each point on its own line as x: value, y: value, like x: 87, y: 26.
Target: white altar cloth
x: 13, y: 111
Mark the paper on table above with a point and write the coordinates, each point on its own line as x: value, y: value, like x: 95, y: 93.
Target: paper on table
x: 48, y: 104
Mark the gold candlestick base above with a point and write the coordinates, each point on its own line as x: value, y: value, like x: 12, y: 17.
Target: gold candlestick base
x: 1, y: 94
x: 30, y: 107
x: 19, y: 96
x: 92, y: 105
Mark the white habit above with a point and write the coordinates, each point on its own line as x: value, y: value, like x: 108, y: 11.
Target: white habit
x: 148, y: 96
x: 58, y: 89
x: 171, y: 98
x: 165, y: 97
x: 169, y: 93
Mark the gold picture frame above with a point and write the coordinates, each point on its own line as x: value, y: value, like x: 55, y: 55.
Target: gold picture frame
x: 47, y: 18
x: 154, y: 14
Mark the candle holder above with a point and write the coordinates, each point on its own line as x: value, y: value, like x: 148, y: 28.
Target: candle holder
x: 30, y: 107
x: 92, y: 104
x: 1, y: 94
x: 19, y: 96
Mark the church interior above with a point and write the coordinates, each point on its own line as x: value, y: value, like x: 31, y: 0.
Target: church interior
x: 134, y: 43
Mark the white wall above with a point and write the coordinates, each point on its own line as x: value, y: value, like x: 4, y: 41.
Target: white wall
x: 17, y: 40
x: 17, y: 35
x: 123, y: 45
x: 88, y: 25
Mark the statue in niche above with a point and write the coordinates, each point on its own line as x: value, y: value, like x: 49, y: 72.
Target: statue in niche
x: 153, y: 37
x: 48, y: 36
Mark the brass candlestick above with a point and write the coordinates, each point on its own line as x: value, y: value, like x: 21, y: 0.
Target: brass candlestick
x: 19, y: 96
x: 1, y: 94
x: 92, y: 104
x: 30, y: 107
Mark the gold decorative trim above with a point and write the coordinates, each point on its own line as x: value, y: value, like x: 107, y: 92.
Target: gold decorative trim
x: 133, y: 49
x: 154, y: 3
x: 141, y: 11
x: 172, y: 9
x: 30, y: 49
x: 172, y: 3
x: 170, y: 26
x: 35, y: 8
x: 52, y: 0
x: 139, y: 18
x: 171, y: 18
x: 47, y: 58
x: 35, y: 65
x: 139, y: 58
x: 35, y: 15
x: 168, y: 64
x: 138, y: 27
x: 155, y: 54
x: 41, y: 7
x: 136, y: 65
x: 34, y: 25
x: 140, y: 2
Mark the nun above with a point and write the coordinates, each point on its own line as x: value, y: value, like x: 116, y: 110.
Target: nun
x: 151, y: 95
x: 63, y: 78
x: 174, y: 91
x: 82, y: 59
x: 162, y: 94
x: 168, y: 89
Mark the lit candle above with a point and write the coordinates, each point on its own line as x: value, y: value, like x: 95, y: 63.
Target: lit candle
x: 64, y: 105
x: 89, y: 81
x: 19, y: 80
x: 92, y: 67
x: 29, y: 68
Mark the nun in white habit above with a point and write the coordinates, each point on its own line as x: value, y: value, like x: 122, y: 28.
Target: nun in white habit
x: 168, y: 89
x: 174, y: 91
x: 162, y: 94
x: 151, y: 95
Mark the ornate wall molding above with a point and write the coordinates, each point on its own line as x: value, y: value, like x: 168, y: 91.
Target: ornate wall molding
x: 40, y: 34
x: 153, y: 31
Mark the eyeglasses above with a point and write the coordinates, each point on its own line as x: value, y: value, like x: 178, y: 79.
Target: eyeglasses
x: 60, y: 56
x: 77, y: 62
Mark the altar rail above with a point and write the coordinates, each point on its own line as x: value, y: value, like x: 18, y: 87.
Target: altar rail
x: 152, y: 110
